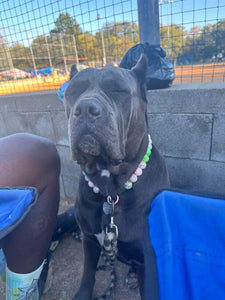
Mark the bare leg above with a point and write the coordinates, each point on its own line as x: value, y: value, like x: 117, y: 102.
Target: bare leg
x: 28, y: 160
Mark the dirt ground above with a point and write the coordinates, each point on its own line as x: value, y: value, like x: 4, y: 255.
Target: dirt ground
x: 66, y: 266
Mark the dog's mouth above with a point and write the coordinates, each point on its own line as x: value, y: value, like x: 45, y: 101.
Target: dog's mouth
x: 94, y: 155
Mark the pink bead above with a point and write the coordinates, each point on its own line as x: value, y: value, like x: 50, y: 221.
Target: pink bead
x: 138, y: 172
x: 133, y: 178
x: 142, y: 165
x: 90, y: 184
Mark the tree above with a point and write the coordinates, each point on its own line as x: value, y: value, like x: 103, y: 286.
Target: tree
x: 177, y: 39
x: 118, y: 38
x: 67, y: 25
x: 21, y: 57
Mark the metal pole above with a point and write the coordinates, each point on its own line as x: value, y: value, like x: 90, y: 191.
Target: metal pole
x: 63, y: 53
x: 148, y: 17
x: 8, y: 54
x: 32, y: 54
x: 102, y: 37
x: 76, y: 55
x: 48, y: 50
x: 168, y: 30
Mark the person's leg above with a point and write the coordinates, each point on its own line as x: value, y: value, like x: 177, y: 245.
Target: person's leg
x: 2, y: 265
x: 28, y: 160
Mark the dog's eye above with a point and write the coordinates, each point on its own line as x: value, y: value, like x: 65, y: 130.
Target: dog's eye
x: 114, y: 87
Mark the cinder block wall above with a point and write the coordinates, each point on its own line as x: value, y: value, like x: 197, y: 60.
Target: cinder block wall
x: 186, y: 122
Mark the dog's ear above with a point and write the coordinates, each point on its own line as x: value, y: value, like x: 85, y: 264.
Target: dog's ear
x: 140, y: 69
x: 73, y: 71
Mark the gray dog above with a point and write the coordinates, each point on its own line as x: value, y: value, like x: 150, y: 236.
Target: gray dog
x: 122, y: 170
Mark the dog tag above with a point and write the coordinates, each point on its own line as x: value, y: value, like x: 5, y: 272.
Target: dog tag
x: 107, y: 208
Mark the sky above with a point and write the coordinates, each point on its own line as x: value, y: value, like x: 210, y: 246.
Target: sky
x: 23, y: 20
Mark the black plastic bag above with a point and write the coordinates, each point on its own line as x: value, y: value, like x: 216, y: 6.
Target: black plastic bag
x: 160, y: 73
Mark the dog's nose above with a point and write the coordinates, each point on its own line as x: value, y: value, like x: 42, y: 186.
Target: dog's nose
x: 88, y: 107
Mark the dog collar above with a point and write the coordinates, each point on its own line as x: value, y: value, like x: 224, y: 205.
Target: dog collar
x: 134, y: 177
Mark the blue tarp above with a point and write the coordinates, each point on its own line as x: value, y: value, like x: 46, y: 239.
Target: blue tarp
x: 187, y: 233
x: 42, y: 72
x: 46, y: 71
x: 188, y: 57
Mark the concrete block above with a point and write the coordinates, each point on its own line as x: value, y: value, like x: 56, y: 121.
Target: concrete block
x: 3, y: 131
x: 38, y: 101
x: 71, y: 186
x: 181, y: 135
x: 68, y: 166
x: 196, y: 175
x: 60, y: 127
x: 36, y: 123
x: 218, y: 139
x: 7, y: 104
x: 188, y: 98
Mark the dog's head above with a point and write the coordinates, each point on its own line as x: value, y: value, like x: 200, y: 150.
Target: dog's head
x: 106, y: 111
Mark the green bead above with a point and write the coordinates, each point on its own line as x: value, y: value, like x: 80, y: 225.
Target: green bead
x: 148, y: 152
x: 146, y: 158
x: 128, y: 185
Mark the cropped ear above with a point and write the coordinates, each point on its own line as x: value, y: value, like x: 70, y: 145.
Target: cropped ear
x: 140, y: 69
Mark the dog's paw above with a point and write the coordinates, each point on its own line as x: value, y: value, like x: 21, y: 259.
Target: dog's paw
x: 131, y: 279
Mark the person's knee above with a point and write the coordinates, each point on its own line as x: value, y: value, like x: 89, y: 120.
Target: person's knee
x: 28, y: 159
x: 45, y: 154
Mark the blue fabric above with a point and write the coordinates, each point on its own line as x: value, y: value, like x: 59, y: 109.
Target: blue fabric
x: 187, y: 233
x: 61, y: 91
x: 14, y: 203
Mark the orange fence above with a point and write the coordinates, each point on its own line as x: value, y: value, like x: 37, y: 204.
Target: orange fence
x: 31, y: 85
x: 184, y: 74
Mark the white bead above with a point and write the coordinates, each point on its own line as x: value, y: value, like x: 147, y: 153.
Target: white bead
x: 95, y: 189
x: 128, y: 185
x: 133, y: 178
x: 90, y: 184
x: 142, y: 165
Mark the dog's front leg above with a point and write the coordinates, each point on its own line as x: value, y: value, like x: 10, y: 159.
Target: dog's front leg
x: 140, y: 277
x: 92, y: 250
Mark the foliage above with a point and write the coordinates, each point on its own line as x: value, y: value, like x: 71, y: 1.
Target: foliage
x: 67, y: 38
x: 65, y: 24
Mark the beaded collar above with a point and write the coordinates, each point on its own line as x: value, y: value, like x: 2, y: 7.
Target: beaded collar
x: 134, y: 177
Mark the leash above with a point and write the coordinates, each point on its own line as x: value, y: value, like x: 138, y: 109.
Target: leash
x: 109, y: 248
x: 111, y: 230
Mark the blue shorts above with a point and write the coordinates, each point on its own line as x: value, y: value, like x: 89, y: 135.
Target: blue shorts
x: 15, y: 203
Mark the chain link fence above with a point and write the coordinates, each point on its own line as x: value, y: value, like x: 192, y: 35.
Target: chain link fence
x: 40, y: 40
